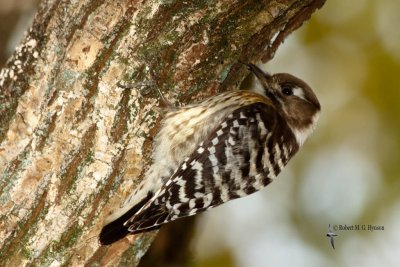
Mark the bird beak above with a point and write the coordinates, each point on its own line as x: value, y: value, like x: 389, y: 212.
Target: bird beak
x: 263, y: 77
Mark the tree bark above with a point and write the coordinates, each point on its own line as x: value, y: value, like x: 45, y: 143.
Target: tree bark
x: 73, y: 144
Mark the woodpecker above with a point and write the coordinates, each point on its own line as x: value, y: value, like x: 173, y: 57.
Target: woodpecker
x: 225, y: 147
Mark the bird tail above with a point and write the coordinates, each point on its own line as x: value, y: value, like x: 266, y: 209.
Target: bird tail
x: 116, y: 230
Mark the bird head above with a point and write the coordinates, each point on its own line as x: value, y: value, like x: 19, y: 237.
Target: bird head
x: 293, y: 99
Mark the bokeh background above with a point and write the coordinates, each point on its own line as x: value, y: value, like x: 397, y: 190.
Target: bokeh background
x: 346, y: 174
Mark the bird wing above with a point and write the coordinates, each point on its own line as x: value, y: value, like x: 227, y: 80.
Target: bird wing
x: 240, y: 156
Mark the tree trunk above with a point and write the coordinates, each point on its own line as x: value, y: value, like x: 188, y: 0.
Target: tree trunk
x: 74, y: 144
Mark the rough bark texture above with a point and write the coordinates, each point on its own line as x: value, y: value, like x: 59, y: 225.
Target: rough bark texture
x: 73, y: 144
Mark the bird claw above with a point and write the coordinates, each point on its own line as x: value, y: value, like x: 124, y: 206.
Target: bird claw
x: 146, y: 88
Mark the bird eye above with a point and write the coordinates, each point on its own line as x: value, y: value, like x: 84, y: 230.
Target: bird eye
x: 287, y: 90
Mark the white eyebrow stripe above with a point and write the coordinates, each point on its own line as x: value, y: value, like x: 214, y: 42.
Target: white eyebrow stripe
x: 297, y: 91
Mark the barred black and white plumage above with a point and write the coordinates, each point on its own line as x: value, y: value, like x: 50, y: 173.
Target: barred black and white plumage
x: 223, y: 148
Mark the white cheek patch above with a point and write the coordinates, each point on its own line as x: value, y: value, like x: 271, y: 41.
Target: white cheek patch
x: 297, y: 91
x: 302, y: 134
